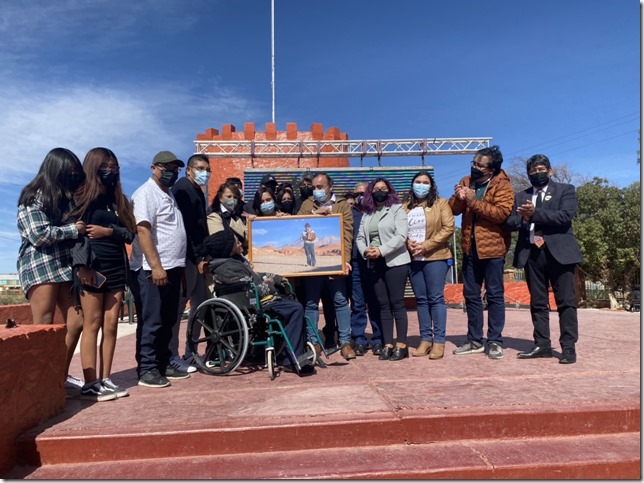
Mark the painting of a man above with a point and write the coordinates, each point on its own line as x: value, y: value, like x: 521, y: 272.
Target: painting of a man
x: 308, y: 237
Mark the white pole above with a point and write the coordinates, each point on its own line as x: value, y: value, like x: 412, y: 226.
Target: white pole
x: 273, y: 54
x: 455, y: 259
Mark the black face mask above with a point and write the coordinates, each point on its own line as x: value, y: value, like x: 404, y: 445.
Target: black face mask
x: 359, y: 199
x: 169, y: 178
x: 380, y: 196
x: 539, y: 180
x: 287, y: 206
x: 306, y: 192
x: 109, y: 179
x: 476, y: 174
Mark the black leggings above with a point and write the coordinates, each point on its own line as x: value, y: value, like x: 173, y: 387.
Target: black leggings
x: 389, y: 289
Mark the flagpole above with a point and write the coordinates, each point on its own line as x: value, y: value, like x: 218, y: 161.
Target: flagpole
x: 273, y: 55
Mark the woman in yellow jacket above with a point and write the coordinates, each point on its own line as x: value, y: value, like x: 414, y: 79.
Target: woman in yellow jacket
x: 431, y: 224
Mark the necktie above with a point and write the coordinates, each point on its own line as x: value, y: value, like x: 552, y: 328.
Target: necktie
x: 537, y: 228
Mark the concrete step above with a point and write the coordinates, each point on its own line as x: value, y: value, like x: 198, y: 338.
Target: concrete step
x: 607, y: 456
x: 402, y: 427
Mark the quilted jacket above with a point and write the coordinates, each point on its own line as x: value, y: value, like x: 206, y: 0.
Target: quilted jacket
x: 492, y: 238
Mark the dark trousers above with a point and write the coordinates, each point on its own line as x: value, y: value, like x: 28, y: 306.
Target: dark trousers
x: 156, y: 308
x: 475, y: 272
x: 362, y: 304
x: 540, y: 269
x: 291, y: 313
x: 389, y: 290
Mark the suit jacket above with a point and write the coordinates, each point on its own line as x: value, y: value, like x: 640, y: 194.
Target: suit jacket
x: 555, y: 218
x: 392, y: 230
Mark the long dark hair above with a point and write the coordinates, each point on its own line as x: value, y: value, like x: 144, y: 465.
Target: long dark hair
x: 93, y: 188
x: 414, y: 201
x: 257, y: 201
x: 280, y: 195
x: 368, y: 203
x: 51, y: 184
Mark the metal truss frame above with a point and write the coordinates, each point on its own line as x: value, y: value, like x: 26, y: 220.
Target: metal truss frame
x: 335, y: 149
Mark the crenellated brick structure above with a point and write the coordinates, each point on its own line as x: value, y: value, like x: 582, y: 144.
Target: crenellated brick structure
x: 223, y: 168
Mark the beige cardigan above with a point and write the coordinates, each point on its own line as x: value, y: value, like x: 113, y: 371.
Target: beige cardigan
x: 439, y: 227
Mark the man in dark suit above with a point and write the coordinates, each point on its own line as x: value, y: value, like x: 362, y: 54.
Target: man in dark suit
x: 548, y: 251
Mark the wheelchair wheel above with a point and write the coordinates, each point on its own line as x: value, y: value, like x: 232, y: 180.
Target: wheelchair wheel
x: 270, y: 363
x: 311, y: 348
x: 218, y: 336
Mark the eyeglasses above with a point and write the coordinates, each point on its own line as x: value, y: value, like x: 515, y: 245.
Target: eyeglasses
x: 113, y: 169
x: 358, y: 193
x: 382, y: 190
x: 479, y: 165
x: 163, y: 168
x: 208, y: 170
x: 538, y: 169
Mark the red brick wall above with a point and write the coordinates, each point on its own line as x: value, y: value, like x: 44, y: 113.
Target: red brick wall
x: 32, y: 371
x: 223, y: 168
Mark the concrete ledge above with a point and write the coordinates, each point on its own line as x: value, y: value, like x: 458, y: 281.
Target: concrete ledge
x: 32, y: 370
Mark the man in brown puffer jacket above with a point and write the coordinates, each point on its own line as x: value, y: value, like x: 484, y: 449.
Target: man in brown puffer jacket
x: 485, y: 199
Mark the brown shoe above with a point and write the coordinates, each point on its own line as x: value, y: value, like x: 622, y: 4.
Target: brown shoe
x: 318, y: 350
x: 437, y: 351
x: 423, y: 349
x: 347, y: 351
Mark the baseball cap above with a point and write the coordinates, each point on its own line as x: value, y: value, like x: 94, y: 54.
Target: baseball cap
x: 164, y: 157
x: 268, y: 178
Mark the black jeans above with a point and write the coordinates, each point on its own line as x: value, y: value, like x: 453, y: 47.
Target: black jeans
x: 389, y: 289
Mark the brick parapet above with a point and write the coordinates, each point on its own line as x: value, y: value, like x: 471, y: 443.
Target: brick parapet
x: 223, y: 168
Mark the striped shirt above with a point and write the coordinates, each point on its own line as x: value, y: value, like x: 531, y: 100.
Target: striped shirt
x: 44, y: 255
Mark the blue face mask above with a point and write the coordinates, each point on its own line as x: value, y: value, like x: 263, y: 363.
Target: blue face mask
x: 319, y: 195
x: 230, y: 203
x: 267, y: 207
x: 420, y: 190
x: 202, y: 177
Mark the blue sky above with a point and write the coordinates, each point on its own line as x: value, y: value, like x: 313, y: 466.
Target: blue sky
x: 287, y: 231
x: 561, y: 77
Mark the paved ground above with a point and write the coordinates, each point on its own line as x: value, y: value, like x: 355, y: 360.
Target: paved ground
x: 607, y: 375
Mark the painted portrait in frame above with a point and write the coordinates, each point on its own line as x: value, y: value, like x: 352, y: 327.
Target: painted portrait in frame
x: 297, y: 246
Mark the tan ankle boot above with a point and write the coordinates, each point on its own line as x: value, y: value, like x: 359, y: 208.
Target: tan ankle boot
x: 437, y: 351
x: 423, y: 349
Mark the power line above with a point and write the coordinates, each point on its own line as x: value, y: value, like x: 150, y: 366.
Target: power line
x: 546, y: 144
x: 596, y: 142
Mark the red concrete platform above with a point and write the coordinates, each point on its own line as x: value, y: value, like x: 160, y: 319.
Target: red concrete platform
x: 459, y: 417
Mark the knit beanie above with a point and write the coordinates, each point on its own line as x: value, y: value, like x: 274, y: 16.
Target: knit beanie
x: 219, y: 245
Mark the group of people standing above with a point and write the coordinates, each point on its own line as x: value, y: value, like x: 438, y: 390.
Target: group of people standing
x: 75, y: 221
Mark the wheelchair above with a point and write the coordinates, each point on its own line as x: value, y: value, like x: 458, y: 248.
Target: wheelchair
x: 225, y: 329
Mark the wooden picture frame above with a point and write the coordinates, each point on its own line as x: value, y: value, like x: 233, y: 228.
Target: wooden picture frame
x: 276, y: 245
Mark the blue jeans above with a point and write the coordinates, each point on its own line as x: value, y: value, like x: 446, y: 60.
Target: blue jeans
x: 309, y: 249
x: 428, y: 283
x: 475, y: 272
x: 360, y: 307
x: 156, y: 308
x: 337, y: 288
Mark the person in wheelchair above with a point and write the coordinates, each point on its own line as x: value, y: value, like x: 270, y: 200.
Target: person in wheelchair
x: 228, y: 265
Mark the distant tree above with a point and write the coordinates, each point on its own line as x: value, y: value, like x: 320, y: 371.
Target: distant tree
x: 607, y: 227
x: 519, y: 177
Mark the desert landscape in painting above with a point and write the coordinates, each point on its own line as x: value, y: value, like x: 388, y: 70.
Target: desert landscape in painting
x: 291, y: 259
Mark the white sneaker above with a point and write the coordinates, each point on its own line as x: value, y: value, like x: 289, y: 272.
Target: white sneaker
x: 72, y: 386
x: 182, y: 365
